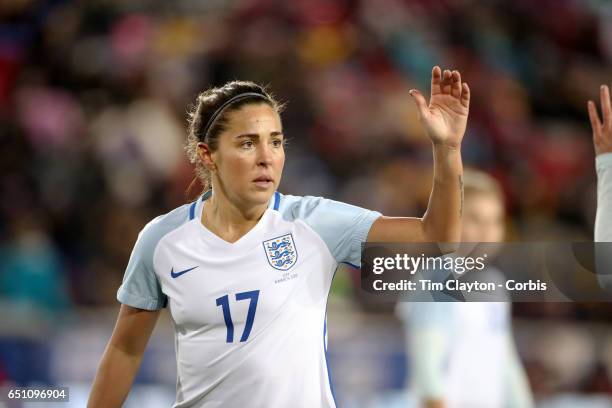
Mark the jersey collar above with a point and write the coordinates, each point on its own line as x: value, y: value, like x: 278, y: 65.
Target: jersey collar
x: 195, y: 209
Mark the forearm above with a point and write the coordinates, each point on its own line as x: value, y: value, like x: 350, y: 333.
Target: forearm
x: 114, y: 378
x: 442, y: 220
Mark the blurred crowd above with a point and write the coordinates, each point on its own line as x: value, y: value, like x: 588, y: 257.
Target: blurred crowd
x: 94, y: 98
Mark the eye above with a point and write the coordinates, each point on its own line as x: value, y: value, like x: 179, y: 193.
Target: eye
x: 247, y: 144
x: 277, y: 143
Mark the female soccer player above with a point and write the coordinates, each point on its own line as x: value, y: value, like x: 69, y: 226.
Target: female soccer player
x: 245, y: 271
x: 602, y: 140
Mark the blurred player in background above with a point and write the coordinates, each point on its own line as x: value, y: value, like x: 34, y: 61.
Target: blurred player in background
x: 462, y: 355
x: 245, y: 271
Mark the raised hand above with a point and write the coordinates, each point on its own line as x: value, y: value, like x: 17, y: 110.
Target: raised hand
x: 602, y: 132
x: 445, y: 118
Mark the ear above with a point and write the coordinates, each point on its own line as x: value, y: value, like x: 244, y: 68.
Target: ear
x: 205, y: 155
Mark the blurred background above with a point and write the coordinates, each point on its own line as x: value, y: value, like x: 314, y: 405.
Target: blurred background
x: 93, y: 103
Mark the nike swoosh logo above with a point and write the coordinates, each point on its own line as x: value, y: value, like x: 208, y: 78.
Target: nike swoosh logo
x: 177, y: 274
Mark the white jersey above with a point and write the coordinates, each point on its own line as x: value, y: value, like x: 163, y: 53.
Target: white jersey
x: 249, y: 316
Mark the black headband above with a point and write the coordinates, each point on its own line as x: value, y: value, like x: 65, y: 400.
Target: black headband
x: 218, y: 112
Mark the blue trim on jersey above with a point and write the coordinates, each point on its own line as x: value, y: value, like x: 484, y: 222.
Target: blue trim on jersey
x: 276, y: 200
x: 192, y: 210
x: 331, y: 385
x: 350, y: 264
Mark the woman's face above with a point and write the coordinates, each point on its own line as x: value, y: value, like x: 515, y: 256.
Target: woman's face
x: 483, y: 218
x: 250, y: 155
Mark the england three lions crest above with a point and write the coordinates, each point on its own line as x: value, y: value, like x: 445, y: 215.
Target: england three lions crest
x: 281, y: 252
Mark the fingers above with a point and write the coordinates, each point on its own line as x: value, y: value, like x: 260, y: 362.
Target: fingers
x: 446, y: 82
x: 595, y: 123
x: 420, y: 102
x: 606, y: 109
x: 456, y: 84
x: 465, y: 95
x: 449, y: 82
x: 436, y: 79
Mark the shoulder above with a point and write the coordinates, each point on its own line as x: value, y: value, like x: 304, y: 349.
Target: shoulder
x: 313, y: 207
x: 292, y: 207
x: 162, y: 225
x: 342, y: 227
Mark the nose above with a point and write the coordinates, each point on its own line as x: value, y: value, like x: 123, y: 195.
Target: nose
x: 264, y: 155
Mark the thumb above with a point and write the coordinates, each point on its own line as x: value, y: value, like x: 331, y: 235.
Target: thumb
x: 421, y: 103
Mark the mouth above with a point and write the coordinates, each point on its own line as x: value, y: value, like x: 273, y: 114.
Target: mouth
x: 263, y: 182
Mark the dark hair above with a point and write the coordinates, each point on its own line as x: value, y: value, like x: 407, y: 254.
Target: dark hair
x: 208, y: 118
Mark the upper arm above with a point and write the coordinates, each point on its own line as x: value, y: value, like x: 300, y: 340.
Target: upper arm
x: 133, y: 329
x: 406, y: 230
x: 397, y: 229
x: 141, y: 287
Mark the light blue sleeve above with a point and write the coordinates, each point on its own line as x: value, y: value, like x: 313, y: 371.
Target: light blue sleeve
x: 603, y: 220
x: 343, y: 227
x: 141, y: 287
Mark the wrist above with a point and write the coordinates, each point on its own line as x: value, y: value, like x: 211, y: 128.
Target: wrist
x: 447, y: 163
x: 602, y: 151
x: 446, y: 147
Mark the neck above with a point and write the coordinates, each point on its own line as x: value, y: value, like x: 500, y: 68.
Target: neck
x: 227, y: 219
